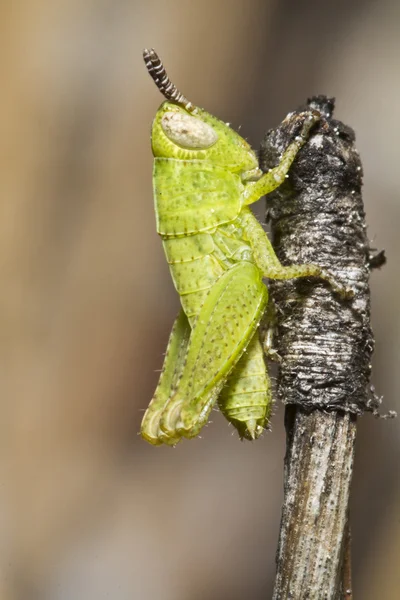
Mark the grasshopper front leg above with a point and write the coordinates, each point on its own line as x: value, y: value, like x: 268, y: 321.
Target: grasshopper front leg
x: 268, y: 182
x: 272, y: 268
x: 264, y: 254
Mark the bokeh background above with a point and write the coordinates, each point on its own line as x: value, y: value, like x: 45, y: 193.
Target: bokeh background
x: 88, y: 510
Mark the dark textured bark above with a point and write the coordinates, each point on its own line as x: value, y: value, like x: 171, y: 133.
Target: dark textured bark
x: 318, y: 216
x: 325, y: 345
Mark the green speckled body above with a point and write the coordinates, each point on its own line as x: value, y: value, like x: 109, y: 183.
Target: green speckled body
x: 205, y: 176
x: 197, y: 205
x: 198, y: 260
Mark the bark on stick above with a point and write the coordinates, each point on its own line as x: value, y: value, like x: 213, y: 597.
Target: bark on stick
x: 325, y: 345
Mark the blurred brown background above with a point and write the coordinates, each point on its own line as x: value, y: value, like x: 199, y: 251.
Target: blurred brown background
x: 88, y: 510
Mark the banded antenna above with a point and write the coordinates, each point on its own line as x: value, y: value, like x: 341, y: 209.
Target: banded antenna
x: 162, y: 81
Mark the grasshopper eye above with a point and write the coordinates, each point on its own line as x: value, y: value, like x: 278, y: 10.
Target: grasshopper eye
x: 188, y: 132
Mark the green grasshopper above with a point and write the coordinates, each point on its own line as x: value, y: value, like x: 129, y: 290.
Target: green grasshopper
x: 205, y: 177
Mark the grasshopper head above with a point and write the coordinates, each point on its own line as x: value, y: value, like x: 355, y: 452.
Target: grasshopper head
x: 197, y: 135
x: 185, y: 132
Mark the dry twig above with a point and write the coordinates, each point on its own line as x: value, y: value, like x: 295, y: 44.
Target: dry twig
x: 326, y: 346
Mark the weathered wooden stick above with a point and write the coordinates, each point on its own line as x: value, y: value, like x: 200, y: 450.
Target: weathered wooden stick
x: 325, y: 345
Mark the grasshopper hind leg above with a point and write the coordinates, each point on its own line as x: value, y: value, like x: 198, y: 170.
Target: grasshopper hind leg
x: 225, y: 326
x: 173, y: 365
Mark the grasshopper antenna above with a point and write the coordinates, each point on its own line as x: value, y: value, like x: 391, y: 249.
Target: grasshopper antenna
x: 162, y: 81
